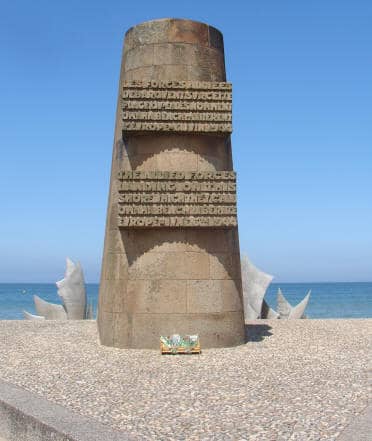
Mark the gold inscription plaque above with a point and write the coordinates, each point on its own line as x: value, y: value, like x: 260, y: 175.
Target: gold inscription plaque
x: 177, y: 106
x: 176, y: 199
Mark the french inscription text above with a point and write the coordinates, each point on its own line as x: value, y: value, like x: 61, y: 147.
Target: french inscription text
x: 177, y: 106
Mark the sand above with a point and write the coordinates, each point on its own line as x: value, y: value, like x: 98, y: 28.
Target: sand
x: 295, y: 380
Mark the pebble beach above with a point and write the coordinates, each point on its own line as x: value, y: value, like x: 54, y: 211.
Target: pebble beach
x: 292, y: 380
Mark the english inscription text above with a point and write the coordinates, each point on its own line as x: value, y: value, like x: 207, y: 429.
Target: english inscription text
x: 176, y: 199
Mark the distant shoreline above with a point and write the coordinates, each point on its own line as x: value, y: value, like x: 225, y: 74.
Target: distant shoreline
x: 273, y: 283
x: 339, y: 300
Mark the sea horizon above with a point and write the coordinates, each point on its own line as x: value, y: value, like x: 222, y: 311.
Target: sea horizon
x: 327, y: 300
x: 286, y: 282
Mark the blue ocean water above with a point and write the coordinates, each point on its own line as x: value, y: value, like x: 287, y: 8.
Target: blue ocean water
x: 328, y: 300
x: 15, y: 297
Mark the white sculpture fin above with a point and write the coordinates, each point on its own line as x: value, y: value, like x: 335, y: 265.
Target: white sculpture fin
x: 284, y: 307
x: 71, y: 289
x: 267, y: 312
x: 249, y: 311
x: 287, y: 311
x: 29, y: 316
x: 50, y: 311
x: 255, y: 283
x: 69, y: 267
x: 298, y: 311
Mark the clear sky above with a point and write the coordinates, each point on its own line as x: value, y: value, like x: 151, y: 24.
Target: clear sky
x: 302, y: 141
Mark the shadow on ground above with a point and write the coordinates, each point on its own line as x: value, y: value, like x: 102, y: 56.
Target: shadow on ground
x: 257, y: 332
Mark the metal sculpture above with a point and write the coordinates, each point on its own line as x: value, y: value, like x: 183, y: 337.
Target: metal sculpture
x: 72, y: 291
x: 255, y: 283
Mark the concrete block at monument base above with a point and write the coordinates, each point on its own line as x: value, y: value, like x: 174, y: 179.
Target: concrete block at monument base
x: 169, y: 265
x: 219, y: 330
x: 224, y: 266
x: 213, y: 296
x: 168, y: 296
x: 118, y: 302
x: 116, y: 267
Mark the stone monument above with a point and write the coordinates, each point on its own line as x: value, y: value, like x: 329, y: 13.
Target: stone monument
x: 171, y: 260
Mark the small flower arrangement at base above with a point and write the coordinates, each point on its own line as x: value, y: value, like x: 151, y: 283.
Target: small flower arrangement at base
x: 175, y: 344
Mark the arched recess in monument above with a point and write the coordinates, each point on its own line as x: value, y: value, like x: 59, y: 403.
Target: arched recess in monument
x: 159, y: 281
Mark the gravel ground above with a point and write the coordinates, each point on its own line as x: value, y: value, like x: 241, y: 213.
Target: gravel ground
x: 294, y: 380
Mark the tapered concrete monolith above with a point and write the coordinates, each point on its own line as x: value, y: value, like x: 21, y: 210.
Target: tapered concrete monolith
x: 171, y: 259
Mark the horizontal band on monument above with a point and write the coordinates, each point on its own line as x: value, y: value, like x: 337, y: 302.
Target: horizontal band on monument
x: 172, y: 84
x: 175, y: 210
x: 215, y: 106
x: 178, y: 175
x: 177, y: 221
x: 200, y: 95
x: 130, y: 126
x: 176, y: 116
x: 177, y: 186
x: 177, y: 198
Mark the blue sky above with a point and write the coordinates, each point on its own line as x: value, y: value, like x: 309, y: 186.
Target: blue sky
x: 302, y: 141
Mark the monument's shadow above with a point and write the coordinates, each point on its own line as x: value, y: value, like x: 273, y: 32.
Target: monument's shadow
x: 257, y: 332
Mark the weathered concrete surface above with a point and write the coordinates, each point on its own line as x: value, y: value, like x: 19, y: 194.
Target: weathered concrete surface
x: 293, y: 380
x: 25, y: 416
x: 171, y: 280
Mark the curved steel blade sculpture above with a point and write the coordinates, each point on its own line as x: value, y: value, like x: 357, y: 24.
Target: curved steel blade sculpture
x: 51, y: 311
x: 255, y: 283
x: 72, y: 291
x: 29, y: 316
